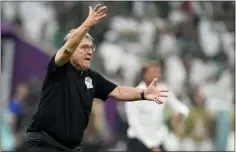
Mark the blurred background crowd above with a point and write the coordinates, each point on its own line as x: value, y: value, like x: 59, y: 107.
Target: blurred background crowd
x: 194, y: 42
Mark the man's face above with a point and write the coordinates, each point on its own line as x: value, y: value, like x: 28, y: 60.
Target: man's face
x: 152, y: 73
x: 82, y: 57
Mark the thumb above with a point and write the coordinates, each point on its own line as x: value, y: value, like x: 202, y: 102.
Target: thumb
x: 90, y: 10
x: 154, y: 82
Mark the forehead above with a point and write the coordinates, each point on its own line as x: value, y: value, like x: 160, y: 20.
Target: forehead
x: 86, y: 41
x: 152, y: 68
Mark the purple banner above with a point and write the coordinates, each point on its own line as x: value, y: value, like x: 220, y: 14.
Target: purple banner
x: 29, y: 61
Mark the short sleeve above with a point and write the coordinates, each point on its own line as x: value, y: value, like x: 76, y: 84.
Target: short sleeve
x: 103, y: 87
x: 52, y: 67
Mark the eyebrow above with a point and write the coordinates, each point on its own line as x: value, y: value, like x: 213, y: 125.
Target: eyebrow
x: 93, y: 45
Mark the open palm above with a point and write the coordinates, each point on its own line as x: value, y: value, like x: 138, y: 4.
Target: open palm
x: 153, y: 94
x: 96, y: 14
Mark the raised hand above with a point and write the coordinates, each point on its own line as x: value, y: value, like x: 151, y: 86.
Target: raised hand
x: 152, y: 93
x: 96, y: 14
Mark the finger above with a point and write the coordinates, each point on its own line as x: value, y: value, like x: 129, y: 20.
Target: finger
x: 102, y: 16
x: 163, y: 95
x: 97, y: 7
x: 157, y: 100
x: 102, y: 13
x: 163, y: 90
x: 102, y: 9
x: 154, y: 82
x: 90, y: 9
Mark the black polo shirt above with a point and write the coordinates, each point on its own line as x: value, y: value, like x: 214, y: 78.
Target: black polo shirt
x: 66, y: 101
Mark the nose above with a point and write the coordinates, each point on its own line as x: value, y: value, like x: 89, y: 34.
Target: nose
x: 90, y: 52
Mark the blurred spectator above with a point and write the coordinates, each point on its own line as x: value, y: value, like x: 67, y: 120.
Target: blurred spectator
x: 15, y: 108
x: 147, y: 130
x: 198, y: 129
x: 174, y: 138
x: 29, y: 106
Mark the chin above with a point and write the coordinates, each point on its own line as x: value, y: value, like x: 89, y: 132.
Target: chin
x: 86, y: 66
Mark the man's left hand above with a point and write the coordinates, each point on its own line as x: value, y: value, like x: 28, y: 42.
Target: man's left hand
x: 152, y: 93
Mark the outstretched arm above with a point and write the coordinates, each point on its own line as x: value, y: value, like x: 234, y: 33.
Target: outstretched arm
x: 105, y: 89
x: 123, y: 93
x: 74, y: 38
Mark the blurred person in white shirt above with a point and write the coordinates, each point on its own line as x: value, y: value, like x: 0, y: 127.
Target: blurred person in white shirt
x: 147, y: 130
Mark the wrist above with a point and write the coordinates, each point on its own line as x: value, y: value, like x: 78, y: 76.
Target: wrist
x: 86, y: 24
x: 142, y: 94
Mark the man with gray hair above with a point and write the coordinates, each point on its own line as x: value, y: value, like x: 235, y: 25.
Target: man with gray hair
x: 69, y: 89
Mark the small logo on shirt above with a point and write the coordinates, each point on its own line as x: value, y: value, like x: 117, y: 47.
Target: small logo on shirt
x: 89, y: 82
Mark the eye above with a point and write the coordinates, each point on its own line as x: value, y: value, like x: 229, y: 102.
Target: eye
x: 88, y: 47
x: 84, y: 47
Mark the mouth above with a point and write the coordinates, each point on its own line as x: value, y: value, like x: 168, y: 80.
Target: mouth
x: 88, y: 59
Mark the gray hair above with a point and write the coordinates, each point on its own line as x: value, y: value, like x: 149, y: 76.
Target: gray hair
x: 87, y: 36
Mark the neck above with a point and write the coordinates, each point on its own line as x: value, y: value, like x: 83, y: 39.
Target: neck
x: 77, y: 66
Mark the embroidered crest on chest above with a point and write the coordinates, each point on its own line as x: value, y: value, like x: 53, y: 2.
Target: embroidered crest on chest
x: 88, y: 82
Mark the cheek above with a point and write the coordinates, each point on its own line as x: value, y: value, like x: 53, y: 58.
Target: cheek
x: 153, y: 75
x: 78, y: 56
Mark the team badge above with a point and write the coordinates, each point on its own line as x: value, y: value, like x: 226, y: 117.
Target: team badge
x: 89, y: 82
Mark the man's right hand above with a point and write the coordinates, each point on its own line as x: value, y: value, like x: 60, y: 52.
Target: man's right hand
x: 96, y: 14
